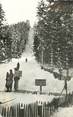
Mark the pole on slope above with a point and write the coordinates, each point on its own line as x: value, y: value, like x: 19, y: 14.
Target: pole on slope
x: 52, y: 54
x: 65, y: 86
x: 42, y: 53
x: 67, y: 76
x: 40, y: 89
x: 61, y: 92
x: 42, y: 57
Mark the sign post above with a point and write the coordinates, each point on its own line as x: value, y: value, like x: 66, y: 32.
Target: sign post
x: 40, y: 82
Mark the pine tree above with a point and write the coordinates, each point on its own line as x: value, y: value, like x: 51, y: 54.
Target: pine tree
x: 5, y: 37
x: 19, y: 36
x: 55, y: 30
x: 2, y: 19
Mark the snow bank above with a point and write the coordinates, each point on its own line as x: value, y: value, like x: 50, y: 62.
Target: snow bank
x: 64, y: 112
x: 13, y: 98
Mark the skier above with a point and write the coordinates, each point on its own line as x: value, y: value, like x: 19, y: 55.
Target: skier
x: 7, y: 81
x: 16, y: 79
x: 11, y: 79
x: 26, y: 60
x: 18, y: 65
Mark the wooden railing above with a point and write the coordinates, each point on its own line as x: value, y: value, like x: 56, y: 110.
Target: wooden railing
x: 28, y: 110
x: 37, y: 109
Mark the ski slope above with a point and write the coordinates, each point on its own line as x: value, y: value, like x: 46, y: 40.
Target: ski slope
x: 30, y: 71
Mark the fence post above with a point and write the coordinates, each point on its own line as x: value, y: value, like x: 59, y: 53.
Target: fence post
x: 18, y: 107
x: 8, y: 112
x: 24, y: 111
x: 11, y: 111
x: 40, y: 110
x: 44, y: 109
x: 21, y: 110
x: 50, y: 108
x: 3, y: 112
x: 29, y: 110
x: 36, y: 109
x: 32, y: 110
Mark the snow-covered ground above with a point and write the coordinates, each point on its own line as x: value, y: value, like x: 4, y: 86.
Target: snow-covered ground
x: 30, y: 71
x: 9, y: 99
x: 64, y: 112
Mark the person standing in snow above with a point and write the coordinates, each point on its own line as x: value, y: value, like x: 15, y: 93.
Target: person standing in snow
x: 26, y: 60
x: 16, y: 79
x: 18, y: 65
x: 7, y: 81
x: 11, y: 79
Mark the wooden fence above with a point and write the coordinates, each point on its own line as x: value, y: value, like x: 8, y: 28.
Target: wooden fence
x: 28, y: 110
x: 37, y: 109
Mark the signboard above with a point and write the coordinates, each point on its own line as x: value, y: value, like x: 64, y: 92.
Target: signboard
x: 40, y: 82
x: 18, y: 74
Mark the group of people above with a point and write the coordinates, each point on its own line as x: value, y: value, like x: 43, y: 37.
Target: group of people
x: 10, y: 77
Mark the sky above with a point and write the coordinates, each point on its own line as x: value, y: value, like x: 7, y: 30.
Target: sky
x: 20, y: 10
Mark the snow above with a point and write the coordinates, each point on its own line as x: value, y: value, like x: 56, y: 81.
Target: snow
x: 14, y: 98
x: 30, y: 71
x: 64, y: 112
